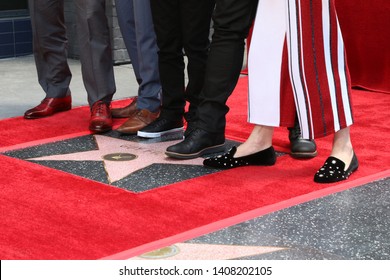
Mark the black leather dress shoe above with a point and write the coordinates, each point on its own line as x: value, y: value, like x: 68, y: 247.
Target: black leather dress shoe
x: 300, y: 147
x: 333, y: 170
x: 197, y: 143
x: 227, y: 161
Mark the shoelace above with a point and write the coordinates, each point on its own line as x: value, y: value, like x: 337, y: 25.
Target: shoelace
x: 100, y: 108
x: 295, y: 132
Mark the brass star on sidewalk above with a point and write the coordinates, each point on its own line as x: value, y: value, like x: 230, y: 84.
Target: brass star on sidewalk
x: 121, y: 157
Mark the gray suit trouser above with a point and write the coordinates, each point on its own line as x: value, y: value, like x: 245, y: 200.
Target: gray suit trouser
x: 136, y: 24
x: 50, y: 48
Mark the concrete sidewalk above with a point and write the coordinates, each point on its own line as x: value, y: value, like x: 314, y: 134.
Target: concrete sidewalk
x: 20, y: 90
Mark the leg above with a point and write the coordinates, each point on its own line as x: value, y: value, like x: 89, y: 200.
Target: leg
x: 342, y: 146
x: 95, y: 50
x: 318, y: 68
x: 167, y: 24
x: 135, y: 21
x: 126, y: 20
x: 149, y: 96
x: 232, y: 20
x: 96, y: 61
x: 196, y: 19
x: 259, y: 139
x: 322, y: 80
x: 50, y: 52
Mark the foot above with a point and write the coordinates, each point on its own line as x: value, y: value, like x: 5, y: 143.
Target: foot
x: 300, y: 147
x: 160, y: 127
x: 335, y: 170
x: 48, y: 107
x: 125, y: 112
x: 101, y: 120
x: 227, y: 161
x: 138, y: 120
x: 197, y: 143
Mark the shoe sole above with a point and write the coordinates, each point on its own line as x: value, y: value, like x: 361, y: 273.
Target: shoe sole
x: 159, y: 134
x: 100, y: 130
x: 127, y: 132
x: 304, y: 155
x: 209, y: 150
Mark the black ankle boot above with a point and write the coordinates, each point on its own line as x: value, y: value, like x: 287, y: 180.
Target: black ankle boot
x: 300, y: 148
x: 228, y: 161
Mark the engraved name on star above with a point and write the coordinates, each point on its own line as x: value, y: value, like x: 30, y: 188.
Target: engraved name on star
x: 121, y: 158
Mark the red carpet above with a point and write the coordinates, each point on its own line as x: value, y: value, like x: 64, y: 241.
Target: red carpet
x: 363, y: 23
x: 18, y: 131
x: 49, y: 214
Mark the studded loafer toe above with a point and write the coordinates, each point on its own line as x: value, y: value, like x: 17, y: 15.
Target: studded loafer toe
x: 333, y: 170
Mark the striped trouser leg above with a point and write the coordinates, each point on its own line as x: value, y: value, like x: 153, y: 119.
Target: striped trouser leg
x: 319, y: 76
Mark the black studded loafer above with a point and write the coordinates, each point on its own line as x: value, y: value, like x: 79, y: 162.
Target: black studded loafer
x: 333, y: 170
x: 228, y: 161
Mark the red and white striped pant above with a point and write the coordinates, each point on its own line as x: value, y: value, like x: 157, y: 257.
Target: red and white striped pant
x: 297, y: 56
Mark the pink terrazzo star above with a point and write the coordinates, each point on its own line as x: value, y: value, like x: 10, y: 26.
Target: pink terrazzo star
x: 146, y: 154
x: 188, y: 251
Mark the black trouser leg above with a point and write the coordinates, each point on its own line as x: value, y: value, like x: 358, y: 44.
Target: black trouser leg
x: 232, y: 21
x: 181, y: 24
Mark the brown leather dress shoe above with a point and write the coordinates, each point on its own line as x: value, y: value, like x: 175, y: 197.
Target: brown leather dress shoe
x: 125, y: 112
x: 48, y: 107
x: 137, y: 121
x: 101, y: 120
